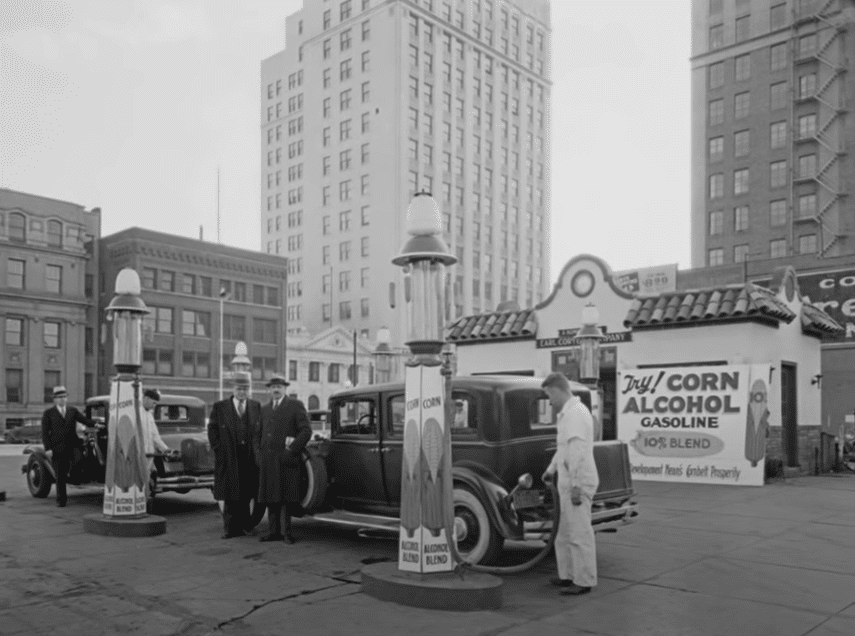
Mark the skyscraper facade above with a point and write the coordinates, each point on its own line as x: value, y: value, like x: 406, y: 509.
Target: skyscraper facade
x: 372, y: 101
x: 771, y: 177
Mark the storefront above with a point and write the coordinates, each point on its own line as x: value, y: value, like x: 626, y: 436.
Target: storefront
x: 732, y: 328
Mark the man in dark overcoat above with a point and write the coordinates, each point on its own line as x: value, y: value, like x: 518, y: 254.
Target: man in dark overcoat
x: 59, y: 436
x: 279, y: 444
x: 231, y: 430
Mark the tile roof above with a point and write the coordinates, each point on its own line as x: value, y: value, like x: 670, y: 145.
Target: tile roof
x: 504, y: 325
x: 818, y: 323
x: 731, y: 302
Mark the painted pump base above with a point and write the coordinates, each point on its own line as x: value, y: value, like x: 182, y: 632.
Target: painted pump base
x: 471, y: 592
x: 145, y: 526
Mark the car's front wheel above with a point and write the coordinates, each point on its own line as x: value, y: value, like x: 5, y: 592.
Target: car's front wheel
x: 478, y: 542
x: 39, y: 479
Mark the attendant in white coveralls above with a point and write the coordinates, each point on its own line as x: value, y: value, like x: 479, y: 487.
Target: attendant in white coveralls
x: 573, y: 464
x: 152, y: 439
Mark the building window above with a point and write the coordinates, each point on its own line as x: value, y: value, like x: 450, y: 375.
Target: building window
x: 715, y: 257
x: 807, y: 126
x: 716, y: 186
x: 188, y: 282
x: 344, y: 70
x: 52, y: 339
x: 740, y: 253
x: 741, y: 143
x: 195, y: 364
x: 15, y: 273
x: 167, y: 281
x: 777, y: 174
x: 314, y: 371
x: 17, y: 227
x: 778, y: 213
x: 366, y: 61
x: 743, y: 28
x: 364, y: 278
x: 292, y: 370
x: 344, y: 310
x: 717, y: 36
x: 740, y: 218
x: 54, y: 233
x: 778, y: 16
x: 778, y: 134
x: 740, y: 181
x: 234, y: 327
x: 807, y: 45
x: 807, y: 85
x: 344, y: 130
x: 344, y: 251
x: 778, y: 57
x: 716, y: 222
x: 264, y: 331
x: 716, y: 111
x: 365, y: 246
x: 344, y: 190
x: 364, y: 307
x: 716, y: 149
x: 778, y: 96
x: 15, y: 332
x: 807, y: 166
x: 807, y: 205
x: 14, y: 386
x: 159, y: 320
x: 333, y: 373
x: 741, y: 105
x: 366, y: 31
x: 53, y: 279
x: 344, y: 281
x: 743, y: 67
x: 807, y: 244
x: 52, y: 379
x: 778, y: 248
x: 193, y: 323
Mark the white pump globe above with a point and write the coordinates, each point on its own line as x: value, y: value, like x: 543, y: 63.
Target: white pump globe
x: 423, y: 216
x: 240, y: 349
x: 128, y: 282
x: 590, y: 315
x: 384, y: 336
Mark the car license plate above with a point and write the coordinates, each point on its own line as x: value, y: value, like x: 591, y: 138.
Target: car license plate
x: 526, y: 499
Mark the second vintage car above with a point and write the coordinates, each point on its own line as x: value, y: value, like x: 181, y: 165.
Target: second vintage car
x: 503, y: 428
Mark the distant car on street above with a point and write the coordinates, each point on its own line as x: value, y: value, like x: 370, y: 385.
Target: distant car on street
x: 29, y: 433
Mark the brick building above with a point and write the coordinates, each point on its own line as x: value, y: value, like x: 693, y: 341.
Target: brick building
x: 49, y: 257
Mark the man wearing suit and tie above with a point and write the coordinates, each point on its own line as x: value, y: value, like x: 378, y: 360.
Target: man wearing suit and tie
x: 231, y: 430
x: 59, y: 436
x: 279, y: 444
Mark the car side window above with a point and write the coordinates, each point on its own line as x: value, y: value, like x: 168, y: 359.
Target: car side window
x: 171, y: 413
x: 396, y: 415
x: 464, y: 422
x: 356, y: 417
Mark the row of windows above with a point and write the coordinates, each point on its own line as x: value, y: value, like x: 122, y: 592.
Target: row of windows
x: 345, y: 190
x: 334, y: 371
x: 16, y: 277
x: 344, y: 310
x: 295, y: 104
x: 806, y: 206
x: 742, y: 23
x: 295, y: 80
x: 161, y: 320
x: 344, y: 220
x: 295, y: 195
x: 51, y: 333
x: 191, y: 284
x: 806, y: 170
x: 295, y: 219
x: 17, y: 230
x: 295, y: 127
x: 777, y: 249
x: 15, y: 387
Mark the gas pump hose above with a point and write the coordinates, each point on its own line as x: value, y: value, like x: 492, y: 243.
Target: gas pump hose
x: 462, y: 565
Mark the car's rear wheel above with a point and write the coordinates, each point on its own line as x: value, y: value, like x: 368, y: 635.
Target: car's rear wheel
x: 39, y: 479
x: 478, y: 542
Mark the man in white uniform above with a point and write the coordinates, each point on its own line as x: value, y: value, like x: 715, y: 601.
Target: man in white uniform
x: 575, y: 549
x: 153, y: 441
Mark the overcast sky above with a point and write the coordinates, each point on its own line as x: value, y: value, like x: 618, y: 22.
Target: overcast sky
x: 130, y: 106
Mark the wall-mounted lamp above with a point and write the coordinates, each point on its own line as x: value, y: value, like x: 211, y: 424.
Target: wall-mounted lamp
x: 817, y: 380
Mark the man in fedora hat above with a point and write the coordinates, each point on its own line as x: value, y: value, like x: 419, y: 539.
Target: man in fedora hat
x: 59, y: 436
x: 231, y: 430
x: 279, y: 444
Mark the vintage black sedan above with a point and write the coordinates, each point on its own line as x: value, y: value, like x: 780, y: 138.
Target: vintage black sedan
x: 503, y: 429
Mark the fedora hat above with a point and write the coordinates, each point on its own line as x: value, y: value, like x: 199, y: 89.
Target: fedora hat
x: 152, y: 394
x: 241, y: 379
x: 59, y: 391
x: 278, y: 378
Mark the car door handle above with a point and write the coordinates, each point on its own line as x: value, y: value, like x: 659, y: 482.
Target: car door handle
x: 373, y: 450
x: 385, y: 449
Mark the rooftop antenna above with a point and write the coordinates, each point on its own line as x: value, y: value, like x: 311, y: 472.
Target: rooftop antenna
x: 218, y: 204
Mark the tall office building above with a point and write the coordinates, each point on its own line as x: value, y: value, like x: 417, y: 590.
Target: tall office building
x: 771, y: 177
x: 372, y: 101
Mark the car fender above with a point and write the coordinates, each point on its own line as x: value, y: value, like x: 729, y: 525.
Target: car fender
x: 38, y: 451
x: 492, y: 493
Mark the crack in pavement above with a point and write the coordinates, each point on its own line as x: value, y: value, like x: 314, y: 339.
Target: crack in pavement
x: 288, y: 597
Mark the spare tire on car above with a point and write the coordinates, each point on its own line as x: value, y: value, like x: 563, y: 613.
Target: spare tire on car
x: 313, y: 480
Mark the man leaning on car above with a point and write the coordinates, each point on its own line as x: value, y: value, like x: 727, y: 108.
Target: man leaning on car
x: 59, y: 436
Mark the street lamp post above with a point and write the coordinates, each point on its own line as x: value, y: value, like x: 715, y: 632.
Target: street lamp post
x: 223, y: 295
x: 126, y: 478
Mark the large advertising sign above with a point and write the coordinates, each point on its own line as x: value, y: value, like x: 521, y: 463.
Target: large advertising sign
x: 696, y: 424
x: 425, y: 474
x: 648, y: 280
x: 834, y: 293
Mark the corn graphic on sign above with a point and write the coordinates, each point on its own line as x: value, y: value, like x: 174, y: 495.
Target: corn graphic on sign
x: 698, y: 424
x: 425, y: 474
x: 126, y: 477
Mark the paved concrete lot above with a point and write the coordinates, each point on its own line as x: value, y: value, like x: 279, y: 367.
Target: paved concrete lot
x: 777, y: 560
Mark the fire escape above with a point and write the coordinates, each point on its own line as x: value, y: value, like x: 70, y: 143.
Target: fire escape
x: 819, y: 67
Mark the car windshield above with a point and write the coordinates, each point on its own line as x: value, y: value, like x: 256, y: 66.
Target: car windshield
x: 171, y: 415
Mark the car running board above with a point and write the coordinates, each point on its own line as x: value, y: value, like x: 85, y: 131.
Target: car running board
x: 357, y: 520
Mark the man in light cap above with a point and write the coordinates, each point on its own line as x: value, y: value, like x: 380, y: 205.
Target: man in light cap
x: 59, y: 436
x: 279, y: 443
x: 231, y: 430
